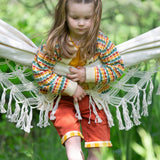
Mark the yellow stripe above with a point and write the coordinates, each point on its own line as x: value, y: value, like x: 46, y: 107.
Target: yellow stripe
x: 98, y: 144
x: 71, y: 134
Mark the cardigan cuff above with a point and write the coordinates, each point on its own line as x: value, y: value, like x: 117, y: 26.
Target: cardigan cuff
x: 90, y: 74
x: 71, y: 88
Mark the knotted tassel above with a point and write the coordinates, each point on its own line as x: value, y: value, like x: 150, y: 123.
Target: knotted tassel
x: 144, y: 104
x: 121, y: 126
x: 25, y: 120
x: 128, y: 122
x: 78, y: 114
x: 90, y: 112
x: 42, y: 106
x: 28, y: 120
x: 23, y: 117
x: 3, y: 99
x: 135, y: 115
x: 108, y: 114
x: 46, y: 123
x: 138, y: 105
x: 9, y: 110
x: 102, y: 103
x: 52, y: 115
x: 149, y: 98
x: 98, y: 119
x: 40, y: 123
x: 15, y: 116
x: 18, y: 125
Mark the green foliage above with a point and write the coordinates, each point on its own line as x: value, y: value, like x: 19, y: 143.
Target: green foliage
x: 40, y: 144
x: 121, y: 20
x: 125, y: 19
x: 147, y: 150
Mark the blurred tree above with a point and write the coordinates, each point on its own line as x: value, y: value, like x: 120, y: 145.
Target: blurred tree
x: 121, y: 20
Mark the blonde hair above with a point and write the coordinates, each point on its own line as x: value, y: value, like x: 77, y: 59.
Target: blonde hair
x: 59, y: 33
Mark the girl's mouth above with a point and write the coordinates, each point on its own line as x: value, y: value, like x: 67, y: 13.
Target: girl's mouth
x: 81, y: 29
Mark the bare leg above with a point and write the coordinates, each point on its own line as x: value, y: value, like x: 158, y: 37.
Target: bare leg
x: 92, y: 153
x: 73, y: 148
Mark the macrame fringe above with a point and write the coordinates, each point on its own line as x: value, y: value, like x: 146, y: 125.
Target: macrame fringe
x: 24, y: 122
x: 128, y: 122
x: 135, y: 115
x: 2, y: 109
x: 90, y: 111
x: 21, y: 115
x: 9, y: 110
x: 78, y: 114
x: 97, y: 119
x: 15, y: 116
x: 46, y: 123
x: 138, y: 103
x: 121, y: 126
x: 100, y: 102
x: 108, y: 114
x: 52, y: 115
x: 149, y: 98
x: 43, y: 115
x: 40, y: 123
x: 128, y: 107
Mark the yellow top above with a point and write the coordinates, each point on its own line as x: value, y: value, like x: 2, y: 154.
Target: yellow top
x: 76, y: 61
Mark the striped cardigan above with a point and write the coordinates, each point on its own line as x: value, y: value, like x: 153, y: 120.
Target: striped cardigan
x: 98, y: 77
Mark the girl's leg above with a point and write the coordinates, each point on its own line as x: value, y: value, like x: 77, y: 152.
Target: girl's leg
x: 73, y: 148
x: 92, y: 153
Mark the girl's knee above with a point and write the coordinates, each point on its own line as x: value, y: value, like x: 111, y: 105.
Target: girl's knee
x: 73, y: 148
x: 73, y: 142
x: 92, y: 153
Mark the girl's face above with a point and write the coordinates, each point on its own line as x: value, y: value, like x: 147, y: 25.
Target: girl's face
x: 79, y: 18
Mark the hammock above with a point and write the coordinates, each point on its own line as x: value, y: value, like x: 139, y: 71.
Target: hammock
x: 17, y: 53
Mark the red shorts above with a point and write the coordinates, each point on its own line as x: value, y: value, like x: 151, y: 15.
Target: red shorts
x: 67, y: 125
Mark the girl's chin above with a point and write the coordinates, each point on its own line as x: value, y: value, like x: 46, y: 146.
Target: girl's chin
x: 81, y: 32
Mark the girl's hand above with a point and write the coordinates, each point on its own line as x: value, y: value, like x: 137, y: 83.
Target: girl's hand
x: 79, y: 94
x: 77, y: 74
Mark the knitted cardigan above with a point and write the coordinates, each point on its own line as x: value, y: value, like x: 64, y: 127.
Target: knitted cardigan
x: 97, y: 77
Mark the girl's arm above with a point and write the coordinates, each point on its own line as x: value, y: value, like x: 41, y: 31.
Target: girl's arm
x: 49, y: 81
x: 112, y: 65
x: 111, y: 69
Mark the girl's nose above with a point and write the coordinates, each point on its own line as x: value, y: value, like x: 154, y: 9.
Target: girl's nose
x: 81, y: 22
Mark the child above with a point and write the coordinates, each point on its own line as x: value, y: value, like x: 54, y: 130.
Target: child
x: 76, y: 40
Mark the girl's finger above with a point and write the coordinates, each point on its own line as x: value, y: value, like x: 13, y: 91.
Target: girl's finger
x: 73, y: 70
x: 72, y: 75
x: 74, y: 79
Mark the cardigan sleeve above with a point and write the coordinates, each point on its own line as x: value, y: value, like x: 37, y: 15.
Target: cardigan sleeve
x: 49, y: 81
x: 112, y: 64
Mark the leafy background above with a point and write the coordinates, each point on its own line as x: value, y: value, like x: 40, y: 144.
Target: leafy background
x: 121, y: 20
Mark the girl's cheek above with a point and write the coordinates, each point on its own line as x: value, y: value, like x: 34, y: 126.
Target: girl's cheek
x: 89, y: 22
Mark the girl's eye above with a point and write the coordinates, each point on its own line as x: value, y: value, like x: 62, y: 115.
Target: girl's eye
x: 75, y: 18
x: 87, y: 17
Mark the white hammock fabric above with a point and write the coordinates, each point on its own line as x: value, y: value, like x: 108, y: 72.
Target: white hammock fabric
x: 24, y: 96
